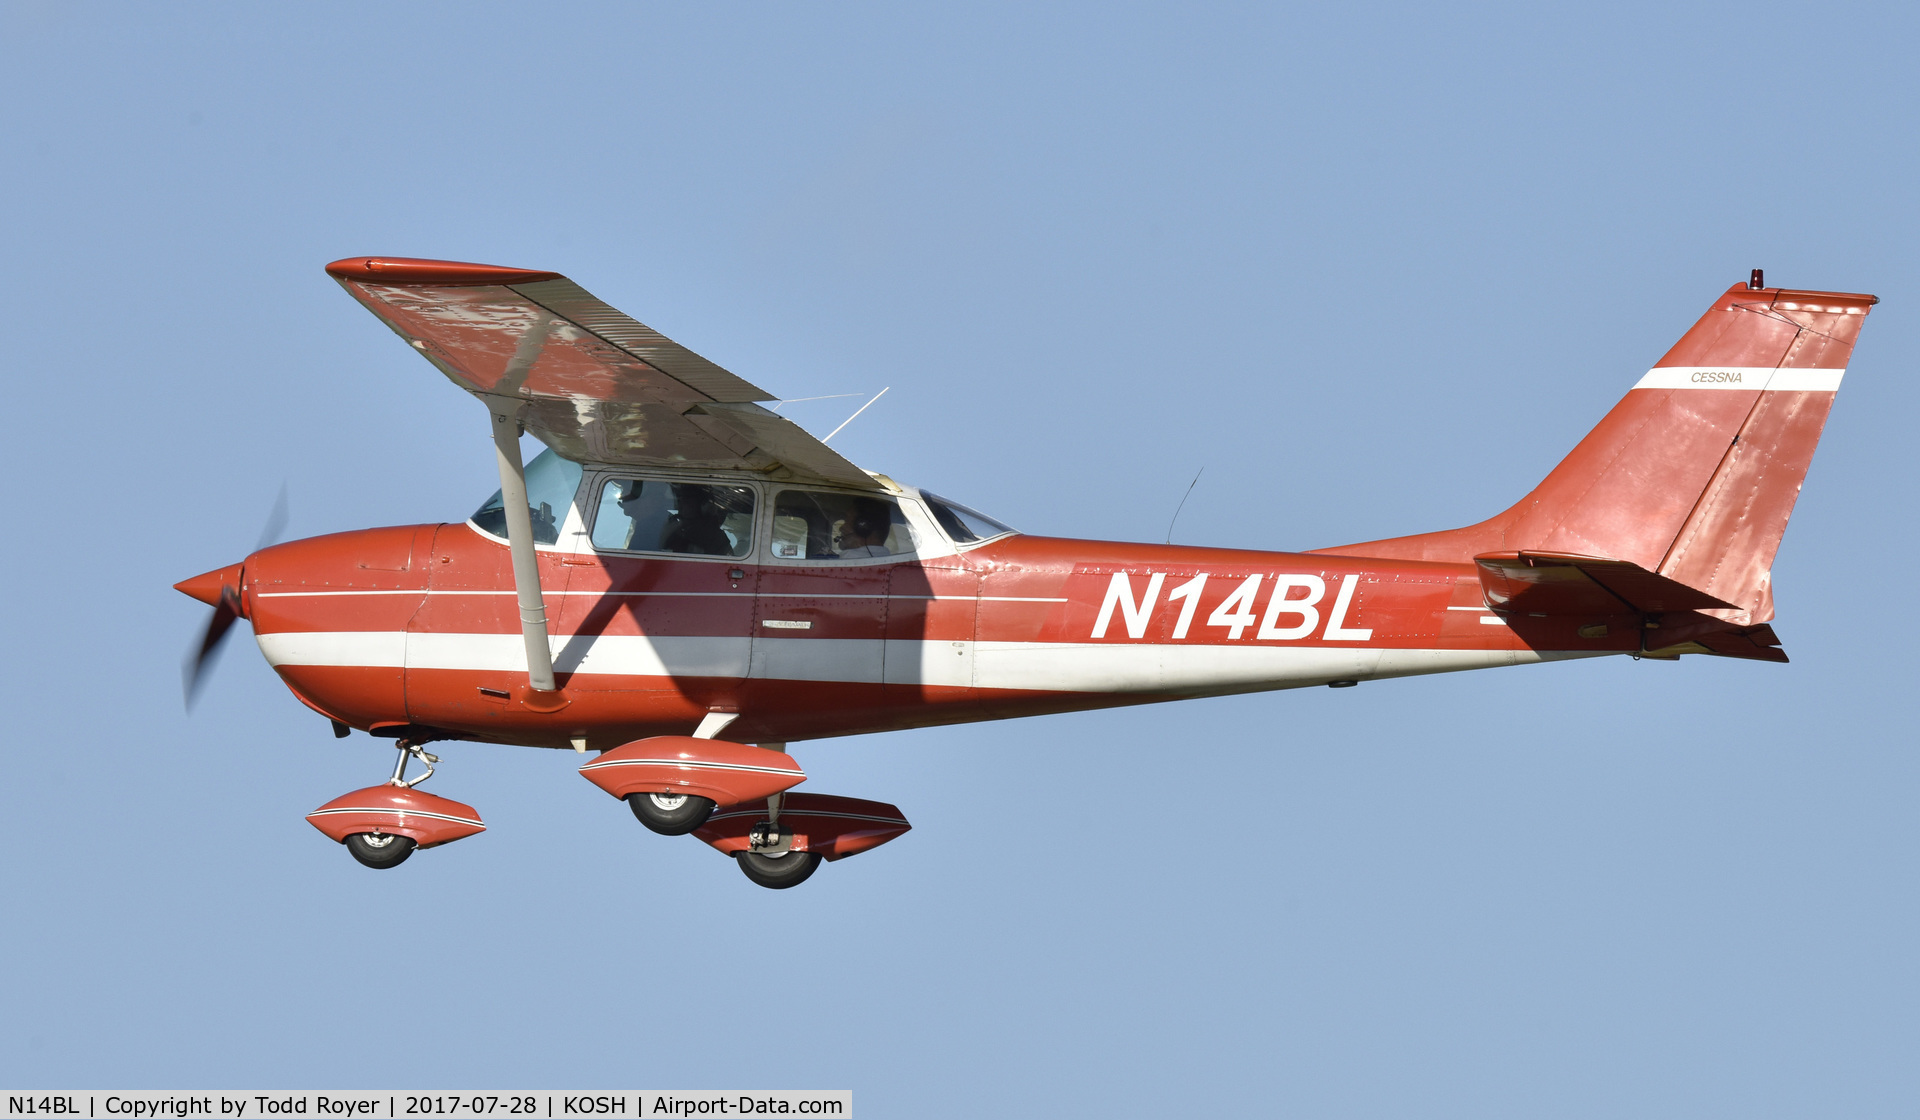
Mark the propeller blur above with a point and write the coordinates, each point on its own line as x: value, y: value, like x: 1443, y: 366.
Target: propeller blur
x: 223, y: 595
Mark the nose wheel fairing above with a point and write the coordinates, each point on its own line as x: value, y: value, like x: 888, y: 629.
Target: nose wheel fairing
x: 388, y: 810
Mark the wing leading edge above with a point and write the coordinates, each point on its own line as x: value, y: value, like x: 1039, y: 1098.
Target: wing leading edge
x: 596, y: 385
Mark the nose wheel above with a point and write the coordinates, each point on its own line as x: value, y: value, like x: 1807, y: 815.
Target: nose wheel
x: 379, y: 850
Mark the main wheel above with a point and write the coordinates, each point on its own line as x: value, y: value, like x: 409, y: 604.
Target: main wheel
x: 788, y: 869
x: 380, y: 851
x: 670, y: 814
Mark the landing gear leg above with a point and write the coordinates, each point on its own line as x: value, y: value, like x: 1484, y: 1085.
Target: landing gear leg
x: 410, y: 749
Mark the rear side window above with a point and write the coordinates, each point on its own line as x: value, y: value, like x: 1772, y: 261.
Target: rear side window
x: 816, y: 525
x: 691, y: 518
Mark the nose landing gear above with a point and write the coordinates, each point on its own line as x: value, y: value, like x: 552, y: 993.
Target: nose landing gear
x: 379, y: 850
x: 382, y: 825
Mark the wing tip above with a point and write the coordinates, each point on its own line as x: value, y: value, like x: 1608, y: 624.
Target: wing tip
x: 415, y: 270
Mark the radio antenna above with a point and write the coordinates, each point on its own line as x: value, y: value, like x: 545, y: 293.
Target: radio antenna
x: 1183, y: 502
x: 856, y: 414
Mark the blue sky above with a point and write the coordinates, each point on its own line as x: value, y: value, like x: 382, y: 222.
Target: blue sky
x: 1375, y: 268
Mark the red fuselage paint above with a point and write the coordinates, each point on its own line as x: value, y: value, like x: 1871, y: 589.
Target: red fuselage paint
x: 417, y: 626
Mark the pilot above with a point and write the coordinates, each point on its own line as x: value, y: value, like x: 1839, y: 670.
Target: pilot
x: 633, y: 505
x: 696, y: 528
x: 867, y: 529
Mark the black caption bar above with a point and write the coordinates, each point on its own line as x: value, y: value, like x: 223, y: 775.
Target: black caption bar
x: 358, y: 1104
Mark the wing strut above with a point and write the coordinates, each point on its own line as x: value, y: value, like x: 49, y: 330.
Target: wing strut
x: 526, y: 564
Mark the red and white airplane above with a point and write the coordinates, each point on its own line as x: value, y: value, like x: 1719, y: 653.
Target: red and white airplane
x: 685, y: 582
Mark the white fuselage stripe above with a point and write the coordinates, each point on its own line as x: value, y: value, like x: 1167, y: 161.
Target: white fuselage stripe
x: 1115, y: 667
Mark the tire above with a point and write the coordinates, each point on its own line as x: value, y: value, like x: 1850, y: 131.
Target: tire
x: 670, y: 814
x: 778, y: 872
x: 380, y: 852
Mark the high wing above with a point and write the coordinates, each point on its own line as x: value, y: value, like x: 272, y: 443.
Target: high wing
x: 594, y: 385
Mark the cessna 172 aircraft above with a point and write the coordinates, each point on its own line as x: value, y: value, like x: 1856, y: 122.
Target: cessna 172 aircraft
x: 685, y: 582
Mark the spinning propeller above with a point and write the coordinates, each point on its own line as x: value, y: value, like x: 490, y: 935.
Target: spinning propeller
x: 221, y: 590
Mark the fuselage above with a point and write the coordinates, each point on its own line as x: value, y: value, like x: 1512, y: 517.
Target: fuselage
x: 414, y: 630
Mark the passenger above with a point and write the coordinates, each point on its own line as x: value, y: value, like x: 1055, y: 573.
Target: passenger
x: 696, y: 528
x: 867, y: 530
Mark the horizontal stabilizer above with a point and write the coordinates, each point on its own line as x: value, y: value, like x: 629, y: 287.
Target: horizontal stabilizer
x: 1756, y: 643
x: 1551, y: 583
x: 1750, y: 643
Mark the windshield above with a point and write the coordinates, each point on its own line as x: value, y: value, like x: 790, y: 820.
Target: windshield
x: 962, y: 524
x: 551, y: 483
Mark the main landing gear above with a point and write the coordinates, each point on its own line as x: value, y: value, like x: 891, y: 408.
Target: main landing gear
x: 770, y: 859
x: 734, y: 798
x: 778, y: 872
x: 383, y: 825
x: 671, y: 814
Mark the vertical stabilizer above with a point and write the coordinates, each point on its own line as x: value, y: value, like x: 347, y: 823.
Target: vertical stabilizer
x: 1694, y: 473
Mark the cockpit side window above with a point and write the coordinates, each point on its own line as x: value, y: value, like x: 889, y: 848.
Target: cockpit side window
x: 691, y: 518
x: 551, y: 485
x: 817, y: 525
x: 962, y: 524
